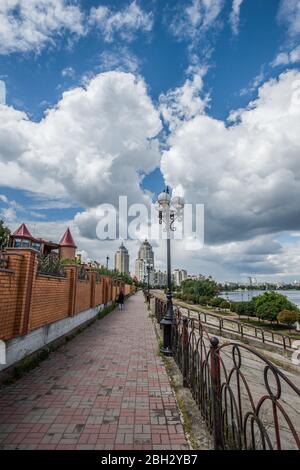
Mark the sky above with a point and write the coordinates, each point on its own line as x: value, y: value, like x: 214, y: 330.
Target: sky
x: 106, y: 98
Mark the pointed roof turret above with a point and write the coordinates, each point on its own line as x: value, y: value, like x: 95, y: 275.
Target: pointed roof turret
x: 67, y: 239
x: 23, y: 232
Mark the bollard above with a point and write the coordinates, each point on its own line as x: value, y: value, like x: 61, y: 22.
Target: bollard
x: 185, y: 351
x: 215, y: 374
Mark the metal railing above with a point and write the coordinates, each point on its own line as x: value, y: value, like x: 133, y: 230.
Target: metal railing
x: 50, y: 265
x: 82, y: 274
x: 245, y: 400
x: 3, y: 260
x: 239, y: 328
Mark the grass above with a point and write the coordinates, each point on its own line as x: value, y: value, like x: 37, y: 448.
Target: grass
x: 180, y: 402
x: 271, y: 326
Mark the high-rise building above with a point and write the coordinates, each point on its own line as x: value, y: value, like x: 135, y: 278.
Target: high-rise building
x: 179, y: 275
x: 145, y: 258
x: 122, y: 260
x: 160, y: 278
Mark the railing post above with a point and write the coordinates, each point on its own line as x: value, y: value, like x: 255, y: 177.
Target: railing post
x: 215, y: 373
x: 185, y: 345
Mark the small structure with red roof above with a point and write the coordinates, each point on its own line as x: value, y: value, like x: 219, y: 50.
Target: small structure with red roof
x: 67, y: 245
x: 22, y: 238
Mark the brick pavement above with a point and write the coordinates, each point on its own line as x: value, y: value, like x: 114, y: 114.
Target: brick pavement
x: 105, y: 389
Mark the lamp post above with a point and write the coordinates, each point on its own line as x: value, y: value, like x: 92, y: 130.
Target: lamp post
x: 168, y: 210
x: 107, y: 260
x: 148, y: 268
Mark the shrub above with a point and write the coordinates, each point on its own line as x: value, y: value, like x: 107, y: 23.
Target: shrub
x: 224, y: 304
x: 287, y: 317
x: 204, y: 300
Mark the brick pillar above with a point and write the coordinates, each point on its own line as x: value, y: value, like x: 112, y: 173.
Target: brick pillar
x: 92, y: 277
x: 71, y: 274
x: 25, y: 272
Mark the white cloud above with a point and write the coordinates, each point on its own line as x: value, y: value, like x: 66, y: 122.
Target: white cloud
x: 90, y: 148
x: 286, y: 58
x: 119, y: 59
x: 126, y: 22
x: 186, y: 101
x: 248, y: 174
x: 235, y: 15
x: 27, y: 25
x: 68, y: 72
x: 289, y: 14
x: 2, y: 92
x: 196, y: 18
x: 257, y: 80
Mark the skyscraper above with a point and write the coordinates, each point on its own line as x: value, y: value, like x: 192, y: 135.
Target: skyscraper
x: 122, y: 260
x: 145, y: 257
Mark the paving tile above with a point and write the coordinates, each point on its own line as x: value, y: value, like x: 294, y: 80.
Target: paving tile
x: 107, y: 389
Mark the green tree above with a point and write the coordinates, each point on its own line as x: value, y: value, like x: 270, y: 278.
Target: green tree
x: 4, y: 235
x: 270, y: 304
x: 200, y: 287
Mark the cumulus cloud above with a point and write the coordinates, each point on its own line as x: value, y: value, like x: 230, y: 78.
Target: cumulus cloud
x: 235, y: 16
x: 247, y: 174
x: 27, y: 25
x: 186, y: 101
x: 90, y: 147
x: 125, y: 23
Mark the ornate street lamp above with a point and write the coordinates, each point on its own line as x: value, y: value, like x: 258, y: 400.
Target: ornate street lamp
x: 169, y: 209
x: 107, y: 260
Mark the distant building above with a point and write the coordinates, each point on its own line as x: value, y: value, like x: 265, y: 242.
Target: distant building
x: 66, y: 248
x: 145, y: 258
x: 160, y: 278
x: 179, y: 276
x: 196, y: 277
x: 122, y: 260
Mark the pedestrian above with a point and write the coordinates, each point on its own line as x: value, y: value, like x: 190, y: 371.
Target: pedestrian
x: 120, y: 300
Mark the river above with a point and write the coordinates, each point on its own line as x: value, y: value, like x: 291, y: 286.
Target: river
x: 244, y: 295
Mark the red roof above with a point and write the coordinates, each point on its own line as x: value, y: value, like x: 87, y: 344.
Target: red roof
x: 67, y: 239
x: 23, y: 232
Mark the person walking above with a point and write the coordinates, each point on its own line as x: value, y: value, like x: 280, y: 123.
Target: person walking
x: 120, y: 300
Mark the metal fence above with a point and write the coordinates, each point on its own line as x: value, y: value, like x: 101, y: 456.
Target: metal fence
x: 246, y: 401
x: 50, y: 265
x: 244, y: 330
x: 3, y: 260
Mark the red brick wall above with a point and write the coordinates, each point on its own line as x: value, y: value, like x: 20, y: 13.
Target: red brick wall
x: 9, y: 281
x: 50, y: 300
x: 29, y: 300
x: 99, y: 293
x: 83, y: 295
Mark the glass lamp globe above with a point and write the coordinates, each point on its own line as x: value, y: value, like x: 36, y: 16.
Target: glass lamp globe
x: 164, y: 199
x: 177, y: 202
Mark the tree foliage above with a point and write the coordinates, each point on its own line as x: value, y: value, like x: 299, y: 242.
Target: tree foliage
x: 200, y: 287
x: 270, y: 304
x: 4, y: 235
x: 288, y: 317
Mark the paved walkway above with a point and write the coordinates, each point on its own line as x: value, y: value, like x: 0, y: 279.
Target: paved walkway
x: 105, y: 389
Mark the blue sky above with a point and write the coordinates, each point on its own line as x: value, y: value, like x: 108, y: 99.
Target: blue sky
x: 201, y: 58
